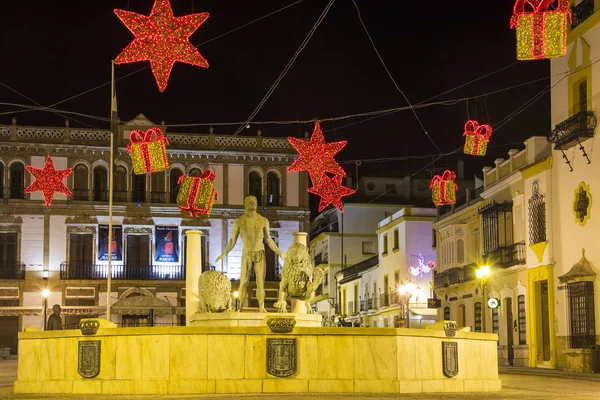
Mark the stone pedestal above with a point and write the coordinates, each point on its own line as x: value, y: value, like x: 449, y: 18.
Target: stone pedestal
x: 252, y: 319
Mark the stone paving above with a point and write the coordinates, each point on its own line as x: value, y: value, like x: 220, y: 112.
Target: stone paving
x: 517, y: 383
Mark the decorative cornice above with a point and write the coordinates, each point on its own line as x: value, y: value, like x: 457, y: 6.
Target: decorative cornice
x: 81, y: 229
x: 195, y: 222
x: 8, y: 218
x: 147, y: 231
x: 82, y: 220
x: 138, y: 220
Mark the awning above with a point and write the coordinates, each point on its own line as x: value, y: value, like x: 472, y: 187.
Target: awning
x: 424, y: 311
x: 142, y: 305
x: 581, y: 271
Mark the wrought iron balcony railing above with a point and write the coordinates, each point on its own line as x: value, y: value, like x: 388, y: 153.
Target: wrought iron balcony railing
x: 88, y: 271
x: 321, y: 258
x: 370, y: 304
x: 384, y: 300
x: 12, y: 271
x: 351, y: 272
x: 507, y: 256
x: 363, y: 305
x: 570, y: 132
x: 581, y: 12
x: 454, y: 276
x: 81, y: 195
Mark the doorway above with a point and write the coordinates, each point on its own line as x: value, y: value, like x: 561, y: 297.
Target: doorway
x: 509, y: 330
x: 461, y: 318
x: 543, y: 323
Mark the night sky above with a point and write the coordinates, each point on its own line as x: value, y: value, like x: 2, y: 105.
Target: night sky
x: 52, y: 50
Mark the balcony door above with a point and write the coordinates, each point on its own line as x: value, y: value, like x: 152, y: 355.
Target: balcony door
x: 17, y: 181
x: 80, y: 255
x: 138, y: 257
x: 138, y: 188
x: 8, y: 255
x: 100, y: 183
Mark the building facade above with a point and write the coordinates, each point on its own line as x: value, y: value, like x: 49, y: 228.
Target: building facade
x: 63, y: 248
x: 571, y: 275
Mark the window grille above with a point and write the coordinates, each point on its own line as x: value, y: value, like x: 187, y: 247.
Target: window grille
x: 537, y: 216
x: 581, y: 310
x: 583, y: 96
x: 478, y: 317
x: 522, y: 319
x: 447, y: 314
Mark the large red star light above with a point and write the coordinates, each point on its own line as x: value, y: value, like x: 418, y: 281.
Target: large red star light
x: 331, y: 192
x: 316, y: 156
x: 162, y: 39
x: 48, y: 180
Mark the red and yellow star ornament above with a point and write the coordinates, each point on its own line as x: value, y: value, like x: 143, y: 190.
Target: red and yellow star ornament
x: 331, y: 191
x: 48, y: 180
x: 162, y: 39
x: 316, y: 156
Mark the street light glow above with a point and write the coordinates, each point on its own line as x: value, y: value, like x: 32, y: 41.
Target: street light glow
x: 45, y: 293
x: 483, y: 272
x: 236, y: 294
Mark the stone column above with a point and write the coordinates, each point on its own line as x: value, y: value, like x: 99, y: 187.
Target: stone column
x: 298, y: 306
x: 193, y: 269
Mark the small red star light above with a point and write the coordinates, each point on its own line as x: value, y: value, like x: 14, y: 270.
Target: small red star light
x: 48, y: 180
x: 331, y: 192
x: 162, y: 39
x: 316, y: 156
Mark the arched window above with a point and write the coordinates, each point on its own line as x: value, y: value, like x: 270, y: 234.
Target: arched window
x: 173, y: 185
x: 100, y: 183
x: 447, y: 314
x: 255, y: 186
x: 17, y: 181
x: 2, y: 179
x: 157, y: 187
x: 273, y: 189
x: 195, y: 172
x: 460, y: 251
x: 80, y: 183
x: 138, y: 188
x: 120, y: 185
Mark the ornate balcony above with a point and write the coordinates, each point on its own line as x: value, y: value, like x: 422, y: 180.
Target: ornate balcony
x: 454, y: 276
x: 352, y: 272
x: 508, y: 256
x: 12, y: 271
x: 581, y: 12
x: 88, y: 271
x: 572, y: 130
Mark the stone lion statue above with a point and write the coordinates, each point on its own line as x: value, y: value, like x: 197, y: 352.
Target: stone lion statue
x: 214, y: 291
x: 299, y: 279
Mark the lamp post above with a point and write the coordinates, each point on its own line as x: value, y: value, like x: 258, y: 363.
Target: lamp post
x: 405, y: 292
x: 45, y: 294
x: 236, y: 294
x: 483, y: 273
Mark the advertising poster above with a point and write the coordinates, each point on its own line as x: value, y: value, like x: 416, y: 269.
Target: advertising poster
x: 167, y: 244
x: 116, y: 245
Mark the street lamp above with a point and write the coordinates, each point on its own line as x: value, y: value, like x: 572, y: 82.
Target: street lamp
x: 45, y: 294
x: 483, y: 273
x: 405, y: 292
x: 236, y: 294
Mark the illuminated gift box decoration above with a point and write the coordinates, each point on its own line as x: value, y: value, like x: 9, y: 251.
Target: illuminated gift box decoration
x: 197, y: 194
x: 541, y: 28
x: 443, y: 188
x: 476, y: 138
x: 148, y: 151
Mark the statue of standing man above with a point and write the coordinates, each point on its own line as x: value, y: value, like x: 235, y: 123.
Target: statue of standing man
x: 253, y: 228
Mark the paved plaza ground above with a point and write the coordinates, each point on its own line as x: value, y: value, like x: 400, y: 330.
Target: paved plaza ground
x: 517, y: 383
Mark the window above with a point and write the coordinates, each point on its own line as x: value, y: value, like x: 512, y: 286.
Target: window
x: 81, y: 248
x: 273, y: 189
x: 537, y: 216
x: 176, y: 173
x: 460, y: 251
x: 100, y: 182
x: 120, y: 186
x: 368, y: 248
x: 495, y: 321
x: 138, y: 188
x: 385, y: 244
x: 17, y: 181
x: 581, y: 310
x: 396, y: 279
x: 478, y: 317
x: 138, y: 250
x: 255, y: 186
x: 195, y: 172
x: 497, y: 223
x: 446, y: 313
x: 157, y: 187
x: 522, y: 319
x: 396, y: 239
x: 80, y: 183
x: 583, y: 96
x: 2, y: 179
x: 8, y: 249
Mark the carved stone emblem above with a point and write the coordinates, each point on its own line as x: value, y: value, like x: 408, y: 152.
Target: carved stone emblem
x: 281, y: 324
x: 450, y: 329
x: 281, y: 357
x: 88, y: 365
x: 89, y: 327
x: 450, y: 359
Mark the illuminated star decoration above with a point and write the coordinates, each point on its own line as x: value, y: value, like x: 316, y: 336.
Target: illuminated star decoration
x: 162, y: 39
x: 316, y: 156
x: 331, y: 192
x: 48, y: 180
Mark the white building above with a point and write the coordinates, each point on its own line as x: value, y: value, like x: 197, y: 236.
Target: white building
x: 63, y: 248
